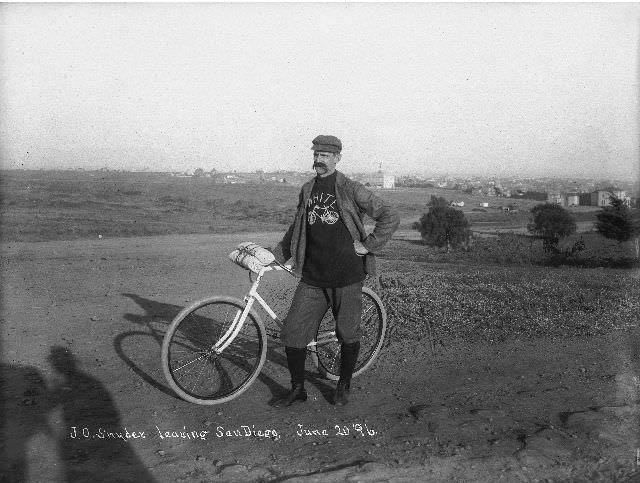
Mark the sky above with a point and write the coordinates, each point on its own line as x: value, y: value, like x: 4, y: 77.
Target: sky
x: 466, y: 88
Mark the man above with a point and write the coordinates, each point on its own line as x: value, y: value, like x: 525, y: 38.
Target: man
x: 332, y: 254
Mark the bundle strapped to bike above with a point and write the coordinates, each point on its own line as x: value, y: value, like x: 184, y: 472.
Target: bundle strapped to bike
x: 251, y: 256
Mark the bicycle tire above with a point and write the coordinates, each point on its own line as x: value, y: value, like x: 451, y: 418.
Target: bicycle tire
x: 188, y: 343
x: 326, y: 357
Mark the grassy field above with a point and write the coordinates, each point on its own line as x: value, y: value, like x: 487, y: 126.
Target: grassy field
x: 509, y: 249
x: 505, y: 287
x: 65, y: 205
x: 488, y: 303
x: 72, y: 205
x: 62, y: 205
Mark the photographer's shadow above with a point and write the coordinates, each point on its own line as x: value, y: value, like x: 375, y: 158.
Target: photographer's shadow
x: 89, y: 446
x: 24, y: 408
x: 156, y: 319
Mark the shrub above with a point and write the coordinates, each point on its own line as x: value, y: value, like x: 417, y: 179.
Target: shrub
x: 443, y: 226
x: 551, y: 223
x: 616, y: 222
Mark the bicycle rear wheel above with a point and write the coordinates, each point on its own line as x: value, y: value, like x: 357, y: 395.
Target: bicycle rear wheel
x: 374, y: 326
x: 199, y: 373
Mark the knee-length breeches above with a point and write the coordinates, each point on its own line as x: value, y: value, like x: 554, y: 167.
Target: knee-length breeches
x: 308, y: 307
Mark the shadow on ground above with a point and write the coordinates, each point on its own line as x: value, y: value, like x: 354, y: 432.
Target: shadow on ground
x: 90, y: 443
x: 156, y: 319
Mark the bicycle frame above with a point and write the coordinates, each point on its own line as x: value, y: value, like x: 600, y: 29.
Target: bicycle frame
x: 253, y: 296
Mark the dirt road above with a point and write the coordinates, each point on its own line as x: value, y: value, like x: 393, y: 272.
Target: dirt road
x: 86, y: 400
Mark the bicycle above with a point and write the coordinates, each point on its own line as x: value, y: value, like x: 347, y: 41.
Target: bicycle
x: 215, y: 348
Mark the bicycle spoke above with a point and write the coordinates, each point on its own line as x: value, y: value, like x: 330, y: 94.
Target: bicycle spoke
x: 326, y: 337
x: 189, y: 363
x: 199, y: 372
x: 199, y: 377
x: 189, y: 346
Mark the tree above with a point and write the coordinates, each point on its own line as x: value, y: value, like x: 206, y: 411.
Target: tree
x: 551, y: 222
x: 616, y: 222
x: 442, y: 225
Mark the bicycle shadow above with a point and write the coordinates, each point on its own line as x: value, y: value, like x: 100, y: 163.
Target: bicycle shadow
x: 156, y: 319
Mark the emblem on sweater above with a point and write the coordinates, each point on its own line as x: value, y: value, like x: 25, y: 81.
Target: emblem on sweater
x: 321, y: 208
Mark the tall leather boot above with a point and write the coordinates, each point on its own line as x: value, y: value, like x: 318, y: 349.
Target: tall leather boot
x: 348, y: 358
x: 295, y: 361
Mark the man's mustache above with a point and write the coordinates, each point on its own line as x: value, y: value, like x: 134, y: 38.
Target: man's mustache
x: 318, y: 164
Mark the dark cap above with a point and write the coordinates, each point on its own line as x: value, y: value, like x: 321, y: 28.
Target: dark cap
x: 330, y: 144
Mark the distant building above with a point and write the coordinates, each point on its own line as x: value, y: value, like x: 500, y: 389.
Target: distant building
x: 388, y: 181
x: 233, y: 179
x: 603, y: 197
x: 573, y: 199
x: 555, y: 198
x: 489, y: 191
x: 379, y: 179
x: 584, y: 199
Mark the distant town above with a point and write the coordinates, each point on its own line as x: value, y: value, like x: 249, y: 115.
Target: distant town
x: 564, y: 191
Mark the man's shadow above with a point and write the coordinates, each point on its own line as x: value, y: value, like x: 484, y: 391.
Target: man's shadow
x: 156, y: 320
x: 93, y: 445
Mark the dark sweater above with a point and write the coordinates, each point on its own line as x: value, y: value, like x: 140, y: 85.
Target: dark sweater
x: 330, y: 258
x: 354, y: 201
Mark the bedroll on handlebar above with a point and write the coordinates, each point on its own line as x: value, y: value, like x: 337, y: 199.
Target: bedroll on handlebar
x: 251, y: 256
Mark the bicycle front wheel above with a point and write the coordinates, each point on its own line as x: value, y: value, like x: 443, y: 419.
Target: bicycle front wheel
x: 195, y: 368
x: 374, y: 326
